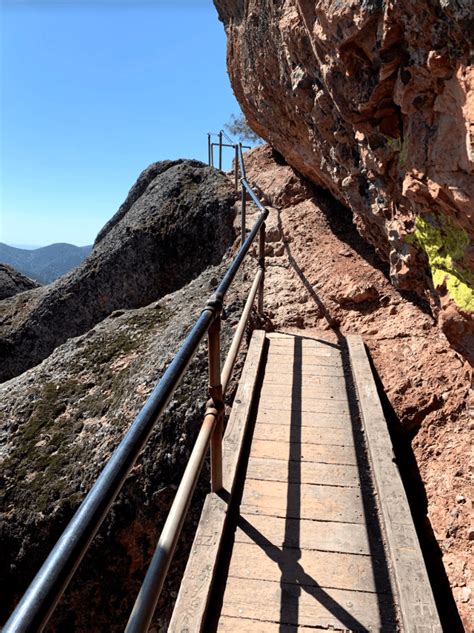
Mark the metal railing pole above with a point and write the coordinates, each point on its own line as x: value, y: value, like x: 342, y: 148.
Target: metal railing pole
x: 216, y: 400
x: 241, y: 161
x: 236, y: 166
x: 239, y: 333
x: 243, y: 215
x: 261, y: 263
x: 220, y: 150
x: 145, y: 604
x: 209, y: 161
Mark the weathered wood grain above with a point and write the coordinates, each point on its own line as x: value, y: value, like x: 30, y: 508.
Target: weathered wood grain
x: 273, y: 372
x: 306, y: 606
x: 243, y: 625
x: 298, y: 393
x: 417, y: 606
x: 306, y: 551
x: 299, y: 566
x: 304, y: 434
x: 306, y: 363
x: 288, y: 381
x: 302, y: 501
x: 305, y: 418
x: 306, y: 472
x: 308, y: 453
x: 316, y: 405
x: 349, y: 538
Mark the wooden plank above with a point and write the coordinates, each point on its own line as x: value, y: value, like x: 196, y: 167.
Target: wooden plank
x: 244, y: 625
x: 292, y: 565
x: 317, y: 405
x: 321, y: 335
x: 305, y: 418
x: 417, y: 605
x: 297, y: 393
x: 284, y: 337
x: 312, y: 356
x: 291, y: 380
x: 274, y: 373
x: 349, y: 538
x: 194, y: 594
x: 307, y: 606
x: 302, y: 501
x: 303, y: 434
x: 306, y: 472
x: 302, y: 341
x: 308, y: 363
x: 320, y: 453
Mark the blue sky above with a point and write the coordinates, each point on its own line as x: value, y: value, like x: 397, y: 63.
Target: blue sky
x: 91, y: 92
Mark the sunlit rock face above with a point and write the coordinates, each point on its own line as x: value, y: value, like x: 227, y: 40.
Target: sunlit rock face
x: 374, y: 101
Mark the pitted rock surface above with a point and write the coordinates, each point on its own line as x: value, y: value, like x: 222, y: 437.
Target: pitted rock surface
x: 375, y: 102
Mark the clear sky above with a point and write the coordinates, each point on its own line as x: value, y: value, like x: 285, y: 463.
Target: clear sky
x: 91, y: 93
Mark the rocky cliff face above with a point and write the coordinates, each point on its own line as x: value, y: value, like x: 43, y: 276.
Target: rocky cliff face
x: 375, y: 102
x: 175, y: 207
x: 322, y: 275
x: 12, y: 282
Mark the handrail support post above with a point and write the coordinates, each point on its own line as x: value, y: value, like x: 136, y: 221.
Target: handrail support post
x: 216, y: 400
x: 209, y: 153
x: 243, y: 214
x: 261, y: 263
x: 220, y: 150
x: 236, y: 166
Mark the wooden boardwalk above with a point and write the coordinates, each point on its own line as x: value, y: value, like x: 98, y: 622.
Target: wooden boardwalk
x: 305, y: 547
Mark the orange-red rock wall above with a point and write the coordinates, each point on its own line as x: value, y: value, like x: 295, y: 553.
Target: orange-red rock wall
x: 374, y: 101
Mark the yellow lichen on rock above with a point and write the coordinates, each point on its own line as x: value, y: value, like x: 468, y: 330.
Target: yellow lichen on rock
x: 444, y: 244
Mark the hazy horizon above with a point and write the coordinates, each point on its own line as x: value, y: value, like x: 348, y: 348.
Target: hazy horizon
x: 33, y: 247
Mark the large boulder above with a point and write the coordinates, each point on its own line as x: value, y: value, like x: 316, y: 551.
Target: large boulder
x: 176, y: 221
x: 12, y: 282
x: 60, y: 422
x: 374, y: 101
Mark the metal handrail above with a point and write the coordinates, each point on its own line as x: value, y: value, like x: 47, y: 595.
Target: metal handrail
x: 35, y: 608
x: 237, y: 148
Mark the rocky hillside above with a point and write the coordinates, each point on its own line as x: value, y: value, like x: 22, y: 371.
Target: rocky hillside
x: 44, y: 264
x: 175, y: 207
x: 374, y: 101
x: 12, y: 282
x: 60, y: 421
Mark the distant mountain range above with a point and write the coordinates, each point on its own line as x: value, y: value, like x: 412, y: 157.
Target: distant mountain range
x: 44, y: 264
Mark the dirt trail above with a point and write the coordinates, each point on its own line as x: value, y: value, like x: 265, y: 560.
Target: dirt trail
x: 321, y: 274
